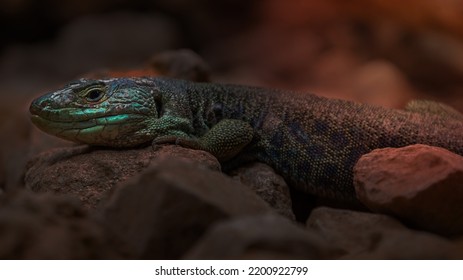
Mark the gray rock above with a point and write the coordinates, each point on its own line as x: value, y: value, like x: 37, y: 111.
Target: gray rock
x: 163, y: 211
x: 422, y: 185
x: 270, y: 186
x: 376, y: 236
x: 261, y: 237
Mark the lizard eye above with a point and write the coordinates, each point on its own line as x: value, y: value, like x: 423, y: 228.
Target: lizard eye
x: 94, y: 95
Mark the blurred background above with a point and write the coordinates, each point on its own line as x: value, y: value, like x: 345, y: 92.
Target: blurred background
x: 374, y: 51
x: 371, y: 51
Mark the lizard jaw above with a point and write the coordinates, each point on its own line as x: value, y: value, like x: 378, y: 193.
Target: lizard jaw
x: 102, y: 131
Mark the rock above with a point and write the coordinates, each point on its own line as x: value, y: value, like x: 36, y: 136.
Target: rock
x: 51, y: 227
x: 84, y: 172
x: 421, y: 185
x: 197, y: 157
x: 90, y: 174
x: 270, y: 186
x: 376, y: 236
x: 163, y: 211
x: 261, y: 237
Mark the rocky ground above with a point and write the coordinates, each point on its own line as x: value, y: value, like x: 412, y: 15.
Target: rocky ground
x: 82, y: 203
x: 60, y: 200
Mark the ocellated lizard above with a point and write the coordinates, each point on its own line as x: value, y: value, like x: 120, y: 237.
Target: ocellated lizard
x: 313, y: 142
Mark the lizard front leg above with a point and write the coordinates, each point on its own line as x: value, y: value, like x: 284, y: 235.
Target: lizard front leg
x: 224, y: 140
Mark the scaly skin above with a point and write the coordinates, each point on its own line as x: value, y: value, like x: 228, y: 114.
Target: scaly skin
x: 313, y: 142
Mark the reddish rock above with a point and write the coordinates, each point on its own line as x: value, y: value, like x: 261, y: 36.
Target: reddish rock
x: 421, y: 185
x: 270, y: 186
x: 164, y: 210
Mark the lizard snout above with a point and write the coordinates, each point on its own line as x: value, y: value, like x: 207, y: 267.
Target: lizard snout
x: 38, y: 105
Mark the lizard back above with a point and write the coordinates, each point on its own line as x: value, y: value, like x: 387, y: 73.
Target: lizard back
x: 314, y: 142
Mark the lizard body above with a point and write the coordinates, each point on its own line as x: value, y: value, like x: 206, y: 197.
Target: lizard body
x: 313, y: 142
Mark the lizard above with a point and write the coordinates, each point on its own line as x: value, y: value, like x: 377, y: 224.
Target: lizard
x: 312, y: 141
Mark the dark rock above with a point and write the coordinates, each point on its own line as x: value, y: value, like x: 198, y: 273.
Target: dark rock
x: 421, y: 185
x: 51, y: 227
x: 376, y: 236
x: 261, y: 237
x: 270, y: 186
x: 164, y: 210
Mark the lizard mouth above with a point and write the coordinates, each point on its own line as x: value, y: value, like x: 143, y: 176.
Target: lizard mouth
x: 44, y: 123
x: 98, y: 130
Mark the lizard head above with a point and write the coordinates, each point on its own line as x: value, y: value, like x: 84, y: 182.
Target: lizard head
x: 112, y: 112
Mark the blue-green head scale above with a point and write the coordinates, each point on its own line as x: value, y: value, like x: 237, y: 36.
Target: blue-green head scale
x: 112, y: 112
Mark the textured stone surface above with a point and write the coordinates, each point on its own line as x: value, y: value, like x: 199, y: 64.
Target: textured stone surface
x: 163, y: 211
x: 375, y: 236
x: 83, y: 172
x: 50, y: 227
x: 197, y: 157
x: 90, y: 174
x: 261, y: 237
x: 270, y: 186
x: 420, y: 184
